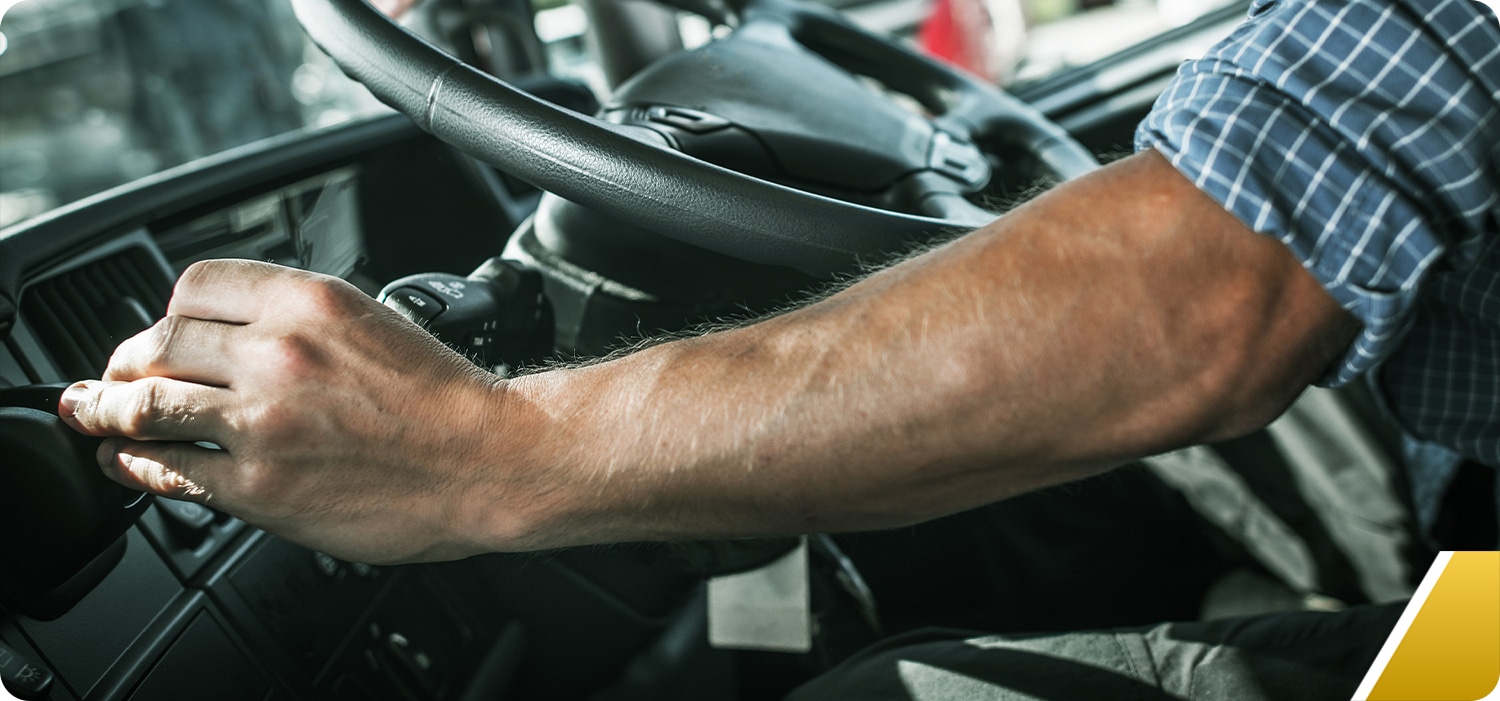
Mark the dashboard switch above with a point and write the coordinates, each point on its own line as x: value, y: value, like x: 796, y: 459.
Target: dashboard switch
x: 694, y: 121
x: 415, y: 304
x: 412, y: 667
x: 189, y: 522
x: 958, y: 158
x: 497, y: 316
x: 326, y: 565
x: 23, y: 678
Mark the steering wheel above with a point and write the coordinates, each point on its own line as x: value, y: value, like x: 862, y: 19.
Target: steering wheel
x: 828, y: 120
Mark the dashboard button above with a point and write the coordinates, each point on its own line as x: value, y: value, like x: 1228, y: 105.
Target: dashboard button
x: 22, y: 677
x: 415, y: 304
x: 189, y: 522
x: 326, y: 564
x: 694, y: 121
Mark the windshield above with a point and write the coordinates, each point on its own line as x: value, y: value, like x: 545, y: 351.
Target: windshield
x: 98, y: 93
x: 95, y: 94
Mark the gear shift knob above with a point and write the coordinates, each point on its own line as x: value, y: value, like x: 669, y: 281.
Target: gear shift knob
x: 62, y: 518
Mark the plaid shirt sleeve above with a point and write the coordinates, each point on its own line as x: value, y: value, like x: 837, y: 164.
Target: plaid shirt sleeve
x: 1365, y: 135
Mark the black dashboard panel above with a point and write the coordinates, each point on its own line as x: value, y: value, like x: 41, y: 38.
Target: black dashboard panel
x: 375, y: 196
x: 35, y: 246
x: 201, y: 605
x: 313, y: 224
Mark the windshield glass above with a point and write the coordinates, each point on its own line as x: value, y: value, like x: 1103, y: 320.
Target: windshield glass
x: 98, y: 93
x: 1066, y: 33
x: 95, y: 94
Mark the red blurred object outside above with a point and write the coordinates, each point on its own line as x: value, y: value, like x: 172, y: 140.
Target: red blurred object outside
x: 962, y: 32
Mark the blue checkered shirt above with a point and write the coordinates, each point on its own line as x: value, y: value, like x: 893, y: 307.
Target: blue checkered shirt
x: 1365, y: 135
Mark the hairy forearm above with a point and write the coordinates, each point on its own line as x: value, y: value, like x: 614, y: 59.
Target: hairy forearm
x: 1120, y: 315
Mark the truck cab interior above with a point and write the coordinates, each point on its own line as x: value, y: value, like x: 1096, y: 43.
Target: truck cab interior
x: 588, y: 176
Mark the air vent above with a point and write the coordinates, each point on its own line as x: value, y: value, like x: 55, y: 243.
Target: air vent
x: 80, y: 315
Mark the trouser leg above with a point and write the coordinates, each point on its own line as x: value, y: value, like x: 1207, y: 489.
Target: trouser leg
x: 1280, y: 657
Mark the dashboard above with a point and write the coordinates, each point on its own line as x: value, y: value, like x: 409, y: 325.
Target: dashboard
x: 190, y: 603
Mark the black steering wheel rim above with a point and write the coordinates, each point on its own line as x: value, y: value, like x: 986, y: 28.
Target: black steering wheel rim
x: 633, y: 175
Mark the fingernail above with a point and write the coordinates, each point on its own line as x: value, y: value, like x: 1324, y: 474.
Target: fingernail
x: 106, y: 453
x: 67, y: 404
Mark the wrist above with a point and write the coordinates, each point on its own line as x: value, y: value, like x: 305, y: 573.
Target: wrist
x: 521, y: 494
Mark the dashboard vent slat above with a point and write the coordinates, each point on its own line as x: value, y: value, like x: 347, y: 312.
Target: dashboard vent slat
x: 49, y: 324
x: 152, y: 296
x: 79, y: 316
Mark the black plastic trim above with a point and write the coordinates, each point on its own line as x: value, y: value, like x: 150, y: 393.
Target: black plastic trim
x: 48, y: 239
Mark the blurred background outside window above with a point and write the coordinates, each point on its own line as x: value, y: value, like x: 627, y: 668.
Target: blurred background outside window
x: 97, y: 93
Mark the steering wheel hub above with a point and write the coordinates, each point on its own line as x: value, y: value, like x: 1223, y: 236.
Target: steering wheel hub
x: 822, y: 127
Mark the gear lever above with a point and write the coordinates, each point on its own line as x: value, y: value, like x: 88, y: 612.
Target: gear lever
x: 62, y: 517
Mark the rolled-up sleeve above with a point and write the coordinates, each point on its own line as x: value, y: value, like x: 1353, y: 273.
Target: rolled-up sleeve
x: 1360, y: 133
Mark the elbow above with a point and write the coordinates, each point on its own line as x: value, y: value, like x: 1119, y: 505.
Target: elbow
x: 1259, y: 369
x: 1245, y: 401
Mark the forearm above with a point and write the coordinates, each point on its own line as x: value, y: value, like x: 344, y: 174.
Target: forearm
x: 1118, y: 316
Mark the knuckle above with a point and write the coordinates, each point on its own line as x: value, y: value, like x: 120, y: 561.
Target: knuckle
x: 121, y: 360
x: 199, y: 281
x: 205, y: 266
x: 138, y: 412
x: 327, y: 296
x: 193, y: 273
x: 258, y: 483
x: 159, y: 341
x: 237, y: 420
x: 147, y: 352
x: 143, y: 408
x: 135, y: 355
x: 196, y: 275
x: 252, y: 484
x: 278, y: 425
x: 293, y: 354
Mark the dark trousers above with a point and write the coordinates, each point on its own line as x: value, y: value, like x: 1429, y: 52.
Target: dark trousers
x: 1281, y: 657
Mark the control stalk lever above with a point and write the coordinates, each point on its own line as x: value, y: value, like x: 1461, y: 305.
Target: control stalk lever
x: 498, y: 316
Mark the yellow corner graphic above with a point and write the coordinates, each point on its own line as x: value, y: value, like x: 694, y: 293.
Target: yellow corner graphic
x: 1446, y: 647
